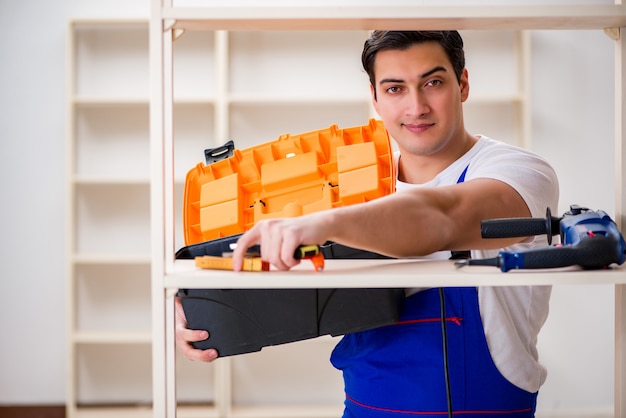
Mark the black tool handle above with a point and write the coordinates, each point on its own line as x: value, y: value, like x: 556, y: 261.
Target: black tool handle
x: 521, y: 227
x: 590, y: 253
x: 512, y: 227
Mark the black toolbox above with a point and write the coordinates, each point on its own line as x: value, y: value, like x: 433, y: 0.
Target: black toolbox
x: 246, y: 320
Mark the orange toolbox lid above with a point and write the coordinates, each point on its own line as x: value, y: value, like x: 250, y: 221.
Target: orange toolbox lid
x: 290, y: 176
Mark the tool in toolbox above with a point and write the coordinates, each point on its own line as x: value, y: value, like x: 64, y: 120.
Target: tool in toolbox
x: 589, y: 239
x: 214, y: 262
x: 218, y: 247
x: 291, y: 176
x: 253, y: 262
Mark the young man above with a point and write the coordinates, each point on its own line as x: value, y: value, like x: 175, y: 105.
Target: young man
x: 448, y: 181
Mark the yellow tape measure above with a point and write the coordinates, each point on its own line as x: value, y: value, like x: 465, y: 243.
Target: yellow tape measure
x: 226, y: 263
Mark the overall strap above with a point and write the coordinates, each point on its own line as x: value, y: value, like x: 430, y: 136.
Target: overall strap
x: 462, y: 176
x: 461, y: 255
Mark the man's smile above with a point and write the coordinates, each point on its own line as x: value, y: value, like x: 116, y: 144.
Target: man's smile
x: 417, y: 127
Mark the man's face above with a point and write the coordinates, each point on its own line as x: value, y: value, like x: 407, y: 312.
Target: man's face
x: 419, y: 98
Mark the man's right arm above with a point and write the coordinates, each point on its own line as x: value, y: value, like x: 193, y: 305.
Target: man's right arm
x: 414, y: 222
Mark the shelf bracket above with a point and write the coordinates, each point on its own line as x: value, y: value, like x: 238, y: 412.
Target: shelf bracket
x: 168, y: 24
x: 177, y: 33
x: 613, y: 33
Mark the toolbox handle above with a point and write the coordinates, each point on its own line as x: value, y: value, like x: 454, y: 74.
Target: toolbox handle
x: 213, y: 155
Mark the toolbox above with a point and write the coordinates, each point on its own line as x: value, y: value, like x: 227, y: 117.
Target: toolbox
x: 293, y: 175
x: 246, y: 320
x: 290, y: 176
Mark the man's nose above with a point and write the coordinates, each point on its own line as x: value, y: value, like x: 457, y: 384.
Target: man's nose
x: 417, y: 104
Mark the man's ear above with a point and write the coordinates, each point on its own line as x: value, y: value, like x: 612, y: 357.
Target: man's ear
x: 464, y: 85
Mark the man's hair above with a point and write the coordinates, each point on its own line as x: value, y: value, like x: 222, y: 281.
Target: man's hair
x: 382, y: 40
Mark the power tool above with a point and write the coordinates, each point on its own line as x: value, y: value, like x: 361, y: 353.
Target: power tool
x: 589, y: 239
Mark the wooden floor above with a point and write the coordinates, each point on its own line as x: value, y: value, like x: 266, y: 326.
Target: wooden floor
x: 40, y: 411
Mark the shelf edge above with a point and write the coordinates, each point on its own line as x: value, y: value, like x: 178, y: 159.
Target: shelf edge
x: 398, y: 18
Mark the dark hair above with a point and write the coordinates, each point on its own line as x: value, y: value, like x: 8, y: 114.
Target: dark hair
x: 382, y: 40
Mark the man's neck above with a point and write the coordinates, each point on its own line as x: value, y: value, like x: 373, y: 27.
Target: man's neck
x: 420, y: 169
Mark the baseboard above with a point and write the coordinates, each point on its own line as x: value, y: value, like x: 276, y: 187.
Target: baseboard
x: 596, y: 413
x: 39, y: 411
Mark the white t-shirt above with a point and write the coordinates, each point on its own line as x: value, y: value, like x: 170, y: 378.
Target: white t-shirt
x: 511, y: 316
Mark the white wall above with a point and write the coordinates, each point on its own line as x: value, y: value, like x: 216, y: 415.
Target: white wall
x: 572, y: 109
x: 32, y: 178
x: 32, y: 209
x: 572, y: 102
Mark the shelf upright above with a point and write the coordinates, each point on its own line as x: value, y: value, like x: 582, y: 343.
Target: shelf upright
x: 618, y: 34
x: 161, y: 121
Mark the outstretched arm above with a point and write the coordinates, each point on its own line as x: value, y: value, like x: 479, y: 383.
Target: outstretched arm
x: 414, y: 222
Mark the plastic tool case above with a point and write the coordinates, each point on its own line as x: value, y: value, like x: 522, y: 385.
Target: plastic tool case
x: 290, y: 176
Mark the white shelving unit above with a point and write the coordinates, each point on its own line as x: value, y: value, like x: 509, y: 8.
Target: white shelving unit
x: 232, y: 77
x: 108, y: 287
x: 264, y: 92
x: 168, y: 22
x: 108, y: 327
x: 226, y: 86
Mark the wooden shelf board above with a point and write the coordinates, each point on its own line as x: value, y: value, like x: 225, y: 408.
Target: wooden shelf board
x: 266, y: 100
x: 103, y: 101
x: 108, y: 24
x: 141, y: 411
x: 121, y: 337
x: 397, y: 18
x: 109, y: 180
x: 111, y: 259
x: 383, y: 273
x: 286, y: 411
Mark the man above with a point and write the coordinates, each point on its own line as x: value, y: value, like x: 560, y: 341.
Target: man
x: 448, y: 181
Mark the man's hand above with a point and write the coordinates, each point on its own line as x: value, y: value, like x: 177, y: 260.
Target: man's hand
x: 279, y: 238
x: 184, y: 337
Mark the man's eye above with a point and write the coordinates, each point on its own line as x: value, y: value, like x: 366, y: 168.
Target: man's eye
x: 434, y: 83
x: 393, y: 89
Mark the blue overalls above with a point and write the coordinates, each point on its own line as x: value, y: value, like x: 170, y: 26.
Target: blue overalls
x: 397, y: 370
